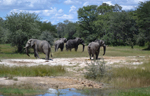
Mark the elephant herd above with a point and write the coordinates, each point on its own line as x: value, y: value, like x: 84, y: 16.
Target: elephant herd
x: 44, y: 46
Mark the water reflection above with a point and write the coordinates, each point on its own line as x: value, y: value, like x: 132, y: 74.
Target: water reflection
x: 62, y: 92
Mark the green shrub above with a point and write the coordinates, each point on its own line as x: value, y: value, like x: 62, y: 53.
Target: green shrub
x: 96, y: 70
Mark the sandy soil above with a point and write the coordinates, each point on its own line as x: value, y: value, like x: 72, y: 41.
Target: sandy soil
x: 72, y: 64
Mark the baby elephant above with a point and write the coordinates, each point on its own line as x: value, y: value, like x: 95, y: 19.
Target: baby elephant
x: 94, y: 48
x: 38, y: 45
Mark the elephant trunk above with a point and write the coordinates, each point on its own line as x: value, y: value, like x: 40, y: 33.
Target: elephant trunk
x: 27, y: 51
x: 83, y: 47
x: 104, y: 49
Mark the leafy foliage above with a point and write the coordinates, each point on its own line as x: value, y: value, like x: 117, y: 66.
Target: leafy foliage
x: 67, y: 29
x: 124, y: 29
x: 22, y: 26
x: 95, y: 69
x: 108, y: 22
x: 143, y: 21
x: 60, y: 30
x: 47, y: 26
x: 46, y: 35
x: 87, y: 15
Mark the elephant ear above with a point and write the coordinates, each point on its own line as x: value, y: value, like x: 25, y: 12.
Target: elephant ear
x: 103, y: 43
x: 32, y: 43
x: 79, y: 41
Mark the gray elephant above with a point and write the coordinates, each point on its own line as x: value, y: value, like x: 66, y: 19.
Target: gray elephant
x: 60, y: 44
x: 94, y: 48
x: 73, y: 43
x: 38, y: 45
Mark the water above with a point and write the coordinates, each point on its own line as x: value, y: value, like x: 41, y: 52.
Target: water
x: 75, y: 92
x: 62, y: 92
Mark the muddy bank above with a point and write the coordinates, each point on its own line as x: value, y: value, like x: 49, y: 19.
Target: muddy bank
x: 52, y: 82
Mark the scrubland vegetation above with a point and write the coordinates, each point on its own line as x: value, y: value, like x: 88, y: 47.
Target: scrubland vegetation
x: 127, y: 78
x: 121, y: 30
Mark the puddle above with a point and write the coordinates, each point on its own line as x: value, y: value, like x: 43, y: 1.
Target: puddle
x: 62, y: 92
x: 75, y: 92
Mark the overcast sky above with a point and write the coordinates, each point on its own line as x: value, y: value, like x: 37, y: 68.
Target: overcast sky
x: 57, y: 11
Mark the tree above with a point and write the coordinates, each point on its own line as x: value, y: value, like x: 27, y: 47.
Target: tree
x: 87, y: 15
x: 22, y: 26
x: 67, y: 29
x: 4, y: 35
x: 143, y: 21
x: 93, y: 20
x: 3, y: 31
x: 60, y: 30
x: 70, y: 30
x: 47, y: 26
x: 123, y: 29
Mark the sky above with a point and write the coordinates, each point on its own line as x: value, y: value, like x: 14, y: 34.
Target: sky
x: 56, y: 11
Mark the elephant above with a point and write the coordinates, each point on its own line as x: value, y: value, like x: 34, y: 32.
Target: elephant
x: 73, y: 43
x: 38, y: 45
x: 60, y: 44
x: 94, y: 48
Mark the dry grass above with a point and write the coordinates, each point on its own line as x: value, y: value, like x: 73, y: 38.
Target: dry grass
x: 131, y: 76
x: 41, y: 70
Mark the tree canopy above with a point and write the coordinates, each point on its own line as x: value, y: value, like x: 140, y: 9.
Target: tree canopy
x: 143, y: 21
x: 107, y: 22
x: 23, y: 26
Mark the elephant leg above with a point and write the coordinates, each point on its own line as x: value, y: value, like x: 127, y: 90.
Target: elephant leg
x: 90, y: 55
x: 96, y: 55
x: 93, y: 56
x: 66, y: 47
x: 76, y: 48
x: 47, y: 56
x: 55, y: 47
x: 62, y: 47
x: 46, y: 52
x: 36, y: 54
x: 89, y: 51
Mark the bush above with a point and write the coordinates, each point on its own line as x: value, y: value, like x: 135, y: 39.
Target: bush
x: 95, y: 69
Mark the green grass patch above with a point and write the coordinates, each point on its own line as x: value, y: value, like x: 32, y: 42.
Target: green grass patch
x: 126, y: 51
x: 16, y: 91
x: 144, y: 91
x: 40, y: 70
x: 133, y: 92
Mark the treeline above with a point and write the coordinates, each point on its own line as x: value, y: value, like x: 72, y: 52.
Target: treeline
x: 107, y: 22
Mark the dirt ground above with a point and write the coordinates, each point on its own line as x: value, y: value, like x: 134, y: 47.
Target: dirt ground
x: 73, y: 65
